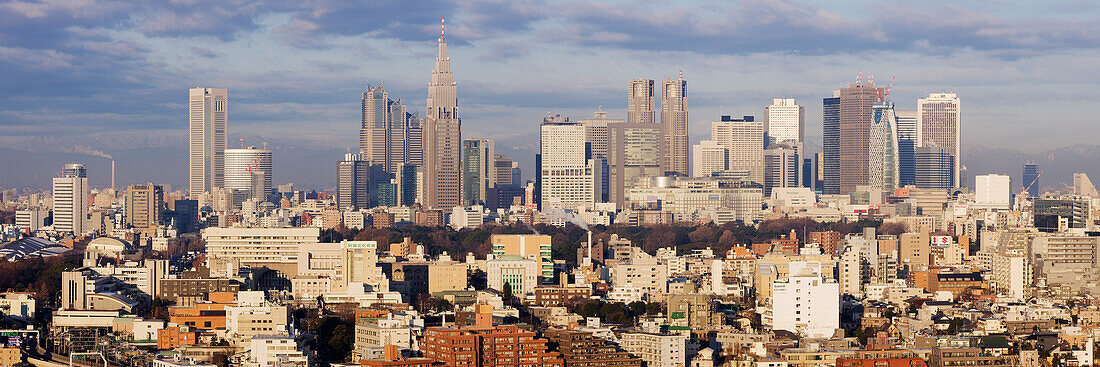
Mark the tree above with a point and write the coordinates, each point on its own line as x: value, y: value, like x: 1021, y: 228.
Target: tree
x: 653, y: 308
x: 443, y: 305
x: 507, y: 293
x: 479, y: 280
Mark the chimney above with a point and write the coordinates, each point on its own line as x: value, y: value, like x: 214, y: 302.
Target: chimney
x: 112, y: 176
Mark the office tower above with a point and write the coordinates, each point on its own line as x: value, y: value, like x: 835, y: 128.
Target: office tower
x: 1031, y: 179
x: 353, y: 182
x: 907, y: 145
x: 408, y: 181
x: 781, y: 166
x: 934, y: 168
x: 144, y: 207
x: 634, y: 153
x: 389, y: 134
x: 674, y: 118
x: 209, y: 122
x: 1083, y: 186
x: 855, y: 129
x: 249, y: 170
x: 478, y: 170
x: 506, y: 171
x: 744, y: 140
x: 639, y: 101
x: 186, y: 215
x: 70, y: 199
x: 993, y: 191
x: 708, y: 157
x: 882, y: 163
x: 939, y: 124
x: 830, y: 155
x: 784, y: 120
x: 565, y: 173
x: 809, y: 172
x: 596, y: 130
x: 442, y: 137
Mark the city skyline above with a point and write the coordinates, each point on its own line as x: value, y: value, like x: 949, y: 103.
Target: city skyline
x: 263, y: 110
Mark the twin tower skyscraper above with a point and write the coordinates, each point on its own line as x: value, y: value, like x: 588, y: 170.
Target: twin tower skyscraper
x: 674, y: 118
x: 401, y: 143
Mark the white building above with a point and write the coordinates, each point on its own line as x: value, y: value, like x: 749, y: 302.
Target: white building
x: 70, y: 200
x: 803, y: 303
x: 993, y: 191
x: 384, y: 332
x: 249, y: 170
x: 784, y: 120
x: 657, y: 350
x: 520, y: 273
x: 567, y: 174
x: 642, y: 271
x: 939, y: 122
x: 467, y: 217
x: 708, y: 157
x: 275, y: 350
x: 1012, y: 274
x: 18, y: 305
x: 745, y: 142
x: 229, y: 248
x: 209, y: 119
x: 254, y: 316
x: 31, y: 219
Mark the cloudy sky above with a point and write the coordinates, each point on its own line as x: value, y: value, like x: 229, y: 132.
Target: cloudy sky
x: 1026, y: 73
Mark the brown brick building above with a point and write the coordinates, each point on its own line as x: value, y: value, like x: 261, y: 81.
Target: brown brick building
x: 488, y: 346
x: 581, y: 349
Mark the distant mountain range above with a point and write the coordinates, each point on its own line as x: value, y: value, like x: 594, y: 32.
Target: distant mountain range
x: 161, y: 157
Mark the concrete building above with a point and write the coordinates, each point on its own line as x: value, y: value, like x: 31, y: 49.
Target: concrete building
x: 939, y: 123
x: 691, y: 199
x: 485, y: 345
x: 526, y: 246
x: 883, y: 163
x: 708, y: 157
x: 1012, y: 274
x: 993, y: 191
x: 782, y: 166
x: 144, y: 208
x: 389, y: 136
x: 467, y: 217
x: 639, y: 102
x: 656, y: 350
x: 357, y: 182
x: 830, y: 155
x: 521, y: 274
x: 249, y: 170
x: 1030, y: 174
x: 70, y: 200
x: 478, y: 170
x: 566, y: 174
x: 934, y: 168
x: 31, y: 219
x: 582, y: 349
x: 674, y: 118
x: 442, y: 138
x: 253, y: 316
x: 744, y: 140
x: 907, y: 146
x: 209, y: 127
x: 635, y: 152
x: 275, y: 350
x: 803, y: 303
x: 227, y: 249
x: 784, y: 120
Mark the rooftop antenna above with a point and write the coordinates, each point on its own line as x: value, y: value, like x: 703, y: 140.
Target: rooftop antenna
x: 859, y: 76
x: 442, y: 27
x: 872, y: 78
x: 889, y: 86
x: 242, y: 143
x: 681, y: 74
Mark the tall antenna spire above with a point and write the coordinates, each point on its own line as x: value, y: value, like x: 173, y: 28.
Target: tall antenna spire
x: 681, y: 74
x: 442, y: 27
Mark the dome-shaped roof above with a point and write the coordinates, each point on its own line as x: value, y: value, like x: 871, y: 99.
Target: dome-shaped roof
x: 108, y: 244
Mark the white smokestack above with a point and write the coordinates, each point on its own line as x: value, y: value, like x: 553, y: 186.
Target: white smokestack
x: 112, y: 175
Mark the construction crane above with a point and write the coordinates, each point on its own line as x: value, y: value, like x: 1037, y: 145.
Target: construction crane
x: 1028, y: 187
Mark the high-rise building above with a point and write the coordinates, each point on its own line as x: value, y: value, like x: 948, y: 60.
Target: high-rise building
x: 855, y: 133
x: 1031, y: 179
x: 907, y: 146
x: 744, y: 140
x: 478, y: 170
x: 389, y: 135
x: 144, y: 207
x: 507, y: 173
x: 830, y: 155
x: 634, y: 153
x: 487, y: 346
x: 674, y: 118
x: 1083, y: 186
x: 186, y: 215
x: 939, y: 123
x: 70, y: 200
x: 247, y: 169
x: 784, y: 120
x: 934, y: 168
x: 442, y: 137
x: 408, y: 182
x: 566, y: 173
x: 597, y: 130
x: 353, y: 182
x: 882, y: 163
x: 209, y: 120
x: 781, y: 166
x: 639, y: 101
x: 708, y: 157
x: 805, y: 304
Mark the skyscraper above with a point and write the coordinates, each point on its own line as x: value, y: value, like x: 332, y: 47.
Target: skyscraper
x: 507, y: 171
x: 353, y: 182
x: 70, y: 199
x: 939, y: 124
x: 209, y: 119
x: 634, y: 152
x: 1031, y: 179
x: 144, y: 207
x: 830, y: 156
x: 708, y: 157
x: 855, y: 132
x: 478, y: 170
x: 389, y: 135
x: 882, y: 163
x: 639, y: 101
x: 781, y: 166
x: 674, y: 118
x: 744, y: 140
x: 784, y: 120
x: 565, y: 172
x: 907, y: 146
x: 442, y: 137
x: 597, y: 130
x: 934, y: 168
x: 249, y: 170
